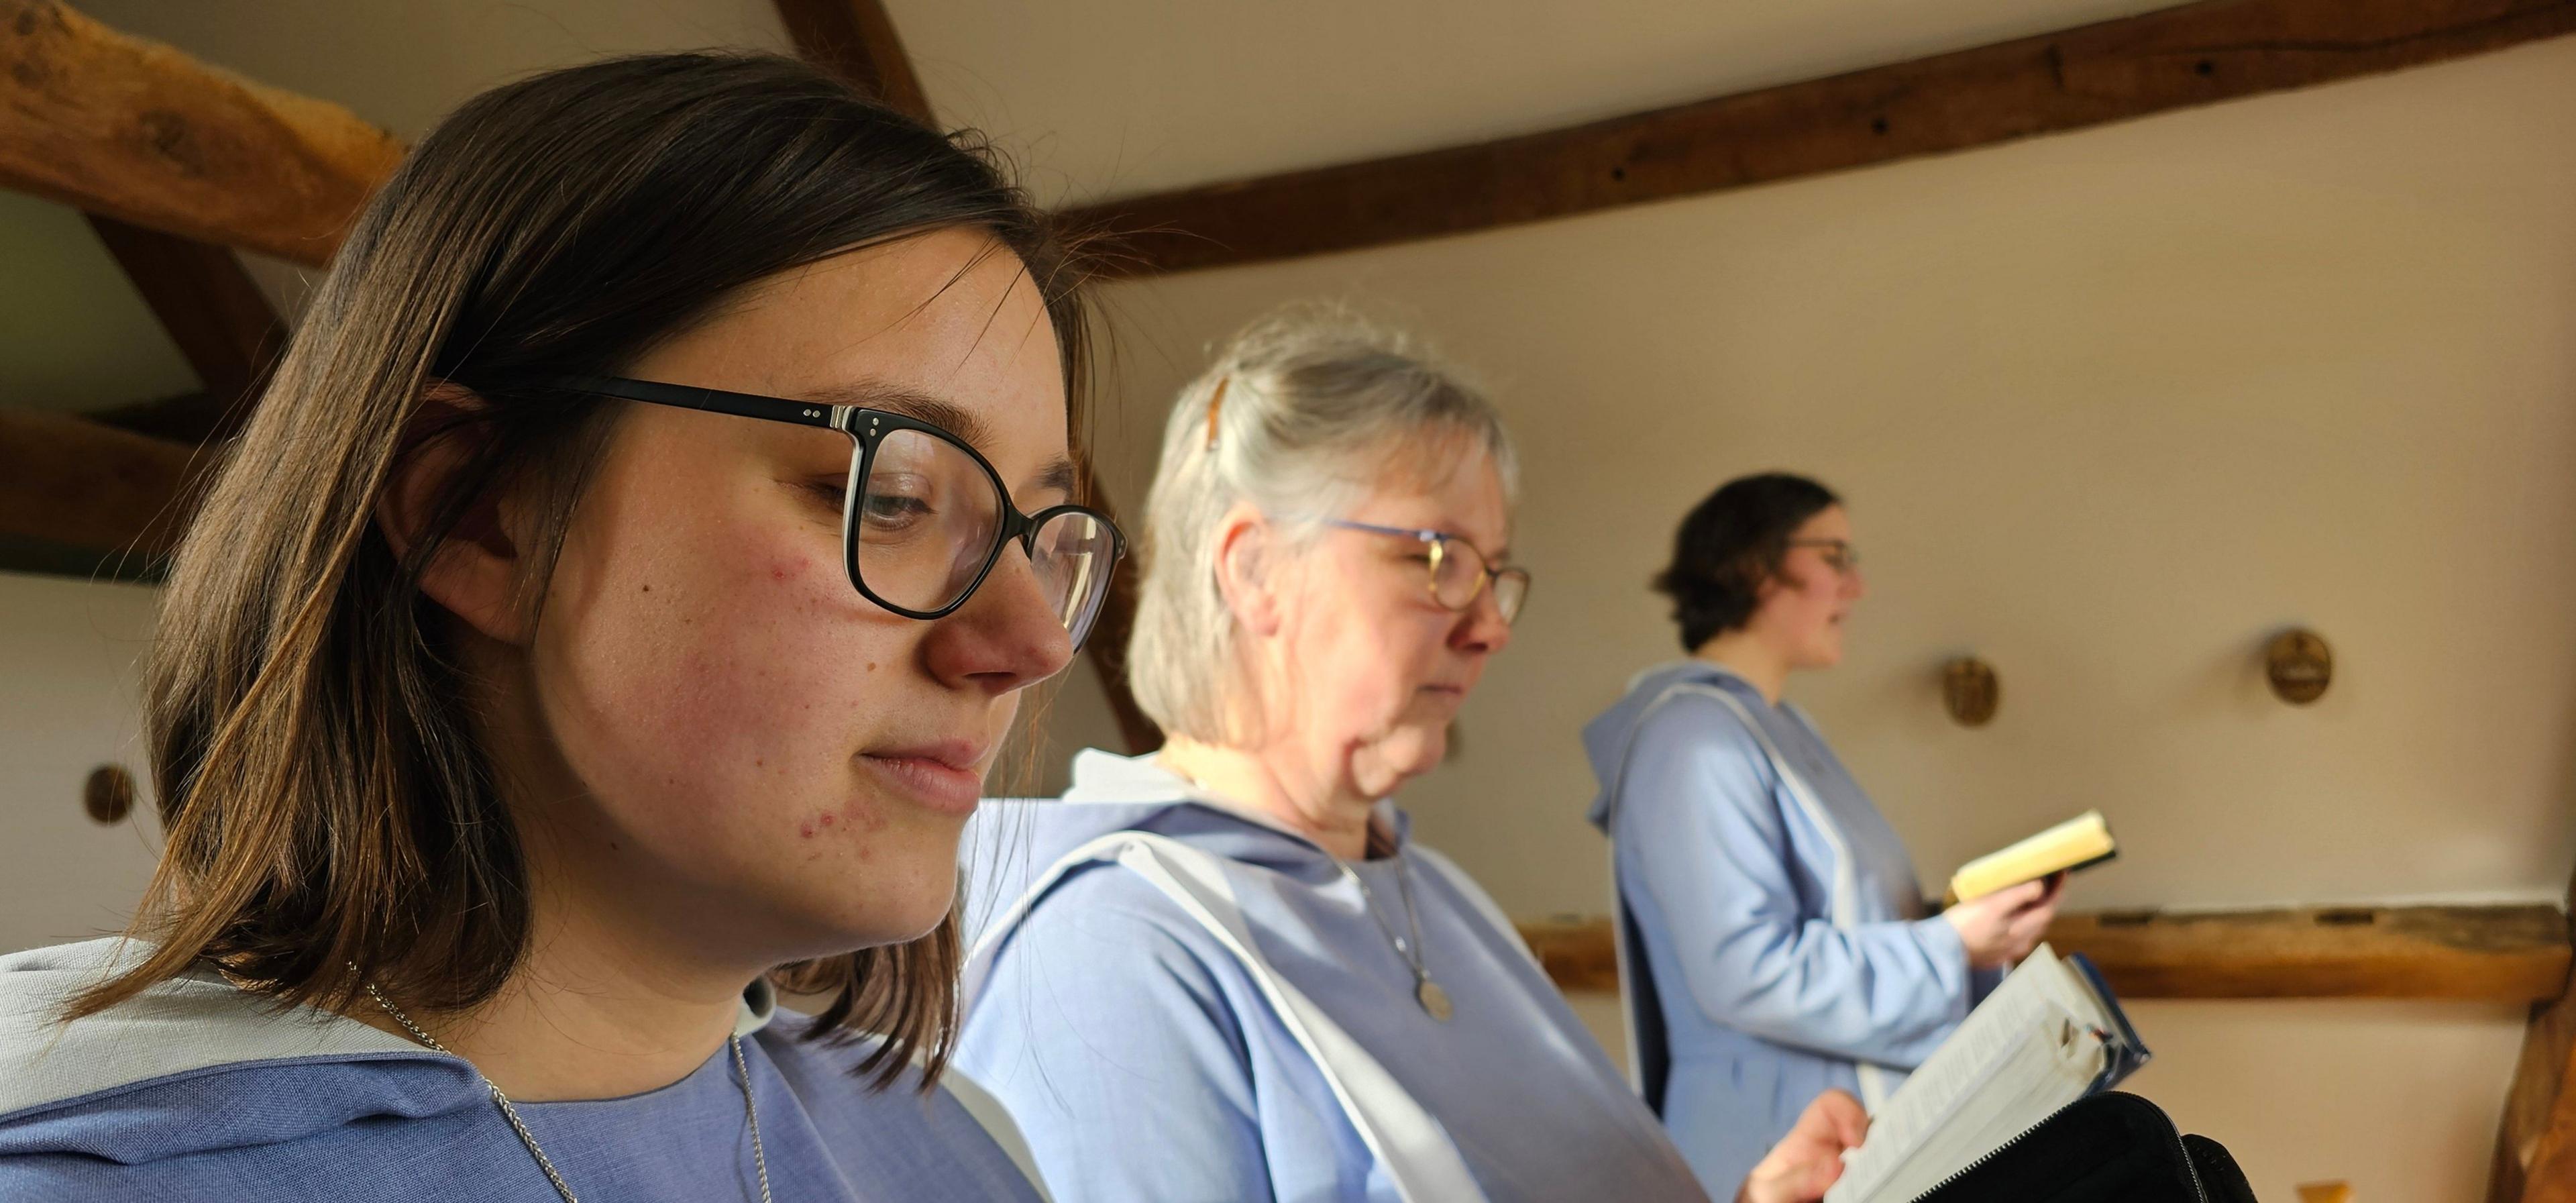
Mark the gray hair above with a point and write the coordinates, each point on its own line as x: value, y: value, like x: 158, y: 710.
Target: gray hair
x: 1312, y: 408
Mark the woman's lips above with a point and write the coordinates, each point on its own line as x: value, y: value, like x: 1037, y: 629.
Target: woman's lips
x: 943, y: 779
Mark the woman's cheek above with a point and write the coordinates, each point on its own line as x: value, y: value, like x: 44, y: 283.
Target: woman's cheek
x: 745, y: 690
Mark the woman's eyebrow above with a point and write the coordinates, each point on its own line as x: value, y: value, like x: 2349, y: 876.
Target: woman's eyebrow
x: 944, y: 414
x: 1057, y: 475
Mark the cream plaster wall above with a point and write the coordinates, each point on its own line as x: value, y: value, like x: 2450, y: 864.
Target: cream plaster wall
x: 2110, y: 408
x: 69, y: 702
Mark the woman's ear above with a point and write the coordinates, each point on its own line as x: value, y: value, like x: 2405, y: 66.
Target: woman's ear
x: 474, y: 571
x: 1764, y: 572
x: 1246, y: 568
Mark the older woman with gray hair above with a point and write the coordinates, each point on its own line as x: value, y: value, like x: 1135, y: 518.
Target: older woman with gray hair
x: 1225, y: 971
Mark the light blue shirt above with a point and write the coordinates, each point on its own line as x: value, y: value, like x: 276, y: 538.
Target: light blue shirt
x: 200, y: 1091
x: 1765, y: 1001
x: 1142, y: 1061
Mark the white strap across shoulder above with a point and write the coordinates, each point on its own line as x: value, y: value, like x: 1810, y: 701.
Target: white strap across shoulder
x: 1447, y: 870
x: 1843, y: 909
x: 1418, y: 1155
x: 989, y: 1114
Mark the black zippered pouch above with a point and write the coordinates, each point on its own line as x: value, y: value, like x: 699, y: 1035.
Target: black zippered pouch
x: 2106, y: 1148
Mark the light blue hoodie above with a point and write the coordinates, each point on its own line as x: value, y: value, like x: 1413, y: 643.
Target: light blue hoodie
x: 1144, y: 1063
x: 200, y: 1091
x: 1761, y: 1000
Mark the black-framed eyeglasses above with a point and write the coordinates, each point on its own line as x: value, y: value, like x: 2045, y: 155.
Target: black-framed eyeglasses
x: 1459, y: 572
x: 924, y: 517
x: 1838, y: 554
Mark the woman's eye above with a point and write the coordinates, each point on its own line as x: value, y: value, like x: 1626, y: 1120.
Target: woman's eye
x: 892, y: 510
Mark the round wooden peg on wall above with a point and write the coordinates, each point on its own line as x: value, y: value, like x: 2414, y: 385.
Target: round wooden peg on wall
x: 2299, y: 665
x: 108, y: 795
x: 1971, y: 691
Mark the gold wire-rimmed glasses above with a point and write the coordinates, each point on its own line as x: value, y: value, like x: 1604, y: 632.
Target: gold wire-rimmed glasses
x: 1458, y: 572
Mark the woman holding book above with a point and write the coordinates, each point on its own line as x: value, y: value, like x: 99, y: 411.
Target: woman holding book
x: 1227, y: 970
x: 1771, y: 922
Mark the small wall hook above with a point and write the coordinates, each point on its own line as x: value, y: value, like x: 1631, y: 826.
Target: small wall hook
x: 108, y: 795
x: 1970, y: 690
x: 2299, y: 665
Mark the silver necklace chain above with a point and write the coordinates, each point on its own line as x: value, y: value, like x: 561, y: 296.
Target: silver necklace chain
x: 741, y: 1067
x: 1434, y: 1000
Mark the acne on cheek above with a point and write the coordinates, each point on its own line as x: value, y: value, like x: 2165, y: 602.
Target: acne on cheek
x: 860, y: 817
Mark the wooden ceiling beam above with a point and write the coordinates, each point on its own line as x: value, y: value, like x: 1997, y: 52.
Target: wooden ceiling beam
x: 73, y: 482
x: 222, y: 323
x: 136, y: 131
x: 858, y: 42
x: 2176, y: 58
x: 2515, y: 954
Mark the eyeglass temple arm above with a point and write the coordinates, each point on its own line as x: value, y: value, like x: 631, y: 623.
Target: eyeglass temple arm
x: 1427, y: 536
x: 716, y: 400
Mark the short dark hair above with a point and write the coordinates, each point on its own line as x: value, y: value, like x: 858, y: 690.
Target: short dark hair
x: 331, y: 818
x: 1730, y: 544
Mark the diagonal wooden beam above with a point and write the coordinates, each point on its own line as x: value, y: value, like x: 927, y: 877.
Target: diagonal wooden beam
x: 856, y: 40
x: 2177, y: 58
x: 2535, y: 1154
x: 2535, y: 1151
x: 134, y: 130
x: 223, y: 325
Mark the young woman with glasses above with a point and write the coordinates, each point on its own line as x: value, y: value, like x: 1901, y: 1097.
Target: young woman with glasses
x: 1227, y: 971
x: 607, y: 619
x: 1776, y: 940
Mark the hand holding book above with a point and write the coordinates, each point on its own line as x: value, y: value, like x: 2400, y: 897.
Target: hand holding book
x: 2078, y: 843
x: 1809, y: 1159
x: 2001, y: 928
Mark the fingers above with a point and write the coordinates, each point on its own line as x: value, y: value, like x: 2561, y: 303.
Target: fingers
x: 2028, y: 928
x: 2028, y: 893
x: 1840, y: 1116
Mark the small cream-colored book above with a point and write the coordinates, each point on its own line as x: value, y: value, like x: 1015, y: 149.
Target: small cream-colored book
x: 2077, y: 843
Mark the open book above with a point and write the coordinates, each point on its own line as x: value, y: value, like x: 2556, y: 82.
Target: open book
x: 2050, y: 1034
x: 2077, y: 843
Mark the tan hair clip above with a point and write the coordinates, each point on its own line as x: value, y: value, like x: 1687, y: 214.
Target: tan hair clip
x: 1216, y: 403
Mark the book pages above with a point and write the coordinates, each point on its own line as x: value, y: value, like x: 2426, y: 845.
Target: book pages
x: 2033, y: 1046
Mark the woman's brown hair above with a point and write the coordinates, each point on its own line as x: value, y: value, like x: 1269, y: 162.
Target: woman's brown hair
x: 331, y: 820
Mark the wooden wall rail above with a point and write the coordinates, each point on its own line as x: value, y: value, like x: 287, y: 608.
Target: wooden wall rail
x: 135, y: 130
x: 2174, y: 58
x: 2515, y: 954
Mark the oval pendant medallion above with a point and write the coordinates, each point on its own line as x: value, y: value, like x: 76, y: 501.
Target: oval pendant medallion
x: 1434, y: 1000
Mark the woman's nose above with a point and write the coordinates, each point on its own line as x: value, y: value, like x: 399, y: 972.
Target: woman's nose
x: 1005, y: 637
x: 1481, y: 628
